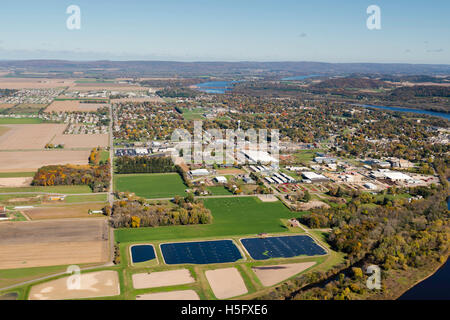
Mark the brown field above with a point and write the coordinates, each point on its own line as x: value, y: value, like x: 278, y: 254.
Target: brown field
x: 15, y: 182
x: 82, y: 140
x: 150, y: 99
x: 271, y: 275
x: 6, y: 105
x: 162, y: 279
x: 62, y: 211
x: 27, y: 161
x: 3, y: 130
x: 74, y: 105
x: 28, y: 83
x: 226, y: 283
x: 29, y: 136
x: 230, y: 171
x: 92, y: 284
x: 171, y: 295
x: 106, y: 86
x: 50, y: 243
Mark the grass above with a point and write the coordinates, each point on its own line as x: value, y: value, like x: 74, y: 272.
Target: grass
x: 89, y: 198
x: 104, y: 155
x: 51, y: 189
x: 305, y: 156
x: 218, y: 191
x: 20, y: 121
x: 154, y: 185
x: 231, y: 216
x: 16, y: 174
x: 195, y: 114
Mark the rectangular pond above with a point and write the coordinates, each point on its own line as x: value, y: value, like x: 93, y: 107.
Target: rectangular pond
x: 201, y: 252
x: 282, y: 247
x: 142, y: 253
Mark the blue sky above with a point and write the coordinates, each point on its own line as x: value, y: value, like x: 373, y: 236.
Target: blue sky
x: 227, y: 30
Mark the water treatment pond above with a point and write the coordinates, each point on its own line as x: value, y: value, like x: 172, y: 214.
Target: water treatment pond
x: 142, y: 253
x: 282, y: 247
x: 201, y: 252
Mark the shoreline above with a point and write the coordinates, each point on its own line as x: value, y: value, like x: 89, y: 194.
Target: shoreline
x: 440, y: 265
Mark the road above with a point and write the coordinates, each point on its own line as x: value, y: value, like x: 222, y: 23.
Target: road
x: 111, y: 157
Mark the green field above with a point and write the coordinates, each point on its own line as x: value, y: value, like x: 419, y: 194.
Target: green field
x: 194, y: 114
x: 52, y: 189
x: 90, y: 198
x: 152, y: 185
x: 20, y: 121
x: 231, y: 216
x: 16, y: 174
x: 218, y: 191
x: 305, y: 156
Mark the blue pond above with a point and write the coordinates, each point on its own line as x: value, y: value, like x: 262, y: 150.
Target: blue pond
x: 203, y: 252
x: 142, y: 253
x: 281, y: 247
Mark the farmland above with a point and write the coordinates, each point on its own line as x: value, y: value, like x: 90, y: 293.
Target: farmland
x: 29, y: 136
x: 21, y: 161
x: 50, y: 189
x: 231, y: 216
x: 150, y: 185
x: 73, y: 105
x: 47, y: 243
x: 20, y: 121
x: 62, y: 211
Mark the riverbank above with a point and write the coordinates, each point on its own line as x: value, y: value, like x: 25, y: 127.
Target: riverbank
x: 425, y: 278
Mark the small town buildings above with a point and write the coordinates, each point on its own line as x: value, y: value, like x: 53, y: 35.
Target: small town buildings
x: 199, y: 172
x: 221, y: 179
x: 314, y: 177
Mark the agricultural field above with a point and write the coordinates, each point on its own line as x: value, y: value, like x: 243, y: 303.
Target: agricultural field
x: 73, y: 105
x: 22, y: 161
x: 77, y: 141
x: 63, y: 211
x: 50, y: 243
x: 231, y: 216
x: 155, y: 185
x: 50, y: 189
x: 29, y: 136
x: 20, y: 121
x: 34, y: 83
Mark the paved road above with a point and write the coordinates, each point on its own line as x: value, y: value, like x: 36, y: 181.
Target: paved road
x: 111, y: 156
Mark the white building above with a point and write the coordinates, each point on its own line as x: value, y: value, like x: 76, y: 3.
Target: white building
x: 255, y: 156
x: 199, y: 172
x: 221, y: 179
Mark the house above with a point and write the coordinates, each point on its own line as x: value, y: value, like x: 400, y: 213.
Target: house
x: 293, y: 223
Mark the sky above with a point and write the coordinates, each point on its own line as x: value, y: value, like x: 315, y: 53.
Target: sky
x: 227, y: 30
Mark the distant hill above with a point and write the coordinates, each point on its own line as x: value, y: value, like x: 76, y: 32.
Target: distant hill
x: 59, y: 68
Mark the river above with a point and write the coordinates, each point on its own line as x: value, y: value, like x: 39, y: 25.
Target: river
x: 431, y: 113
x: 219, y: 87
x: 436, y: 287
